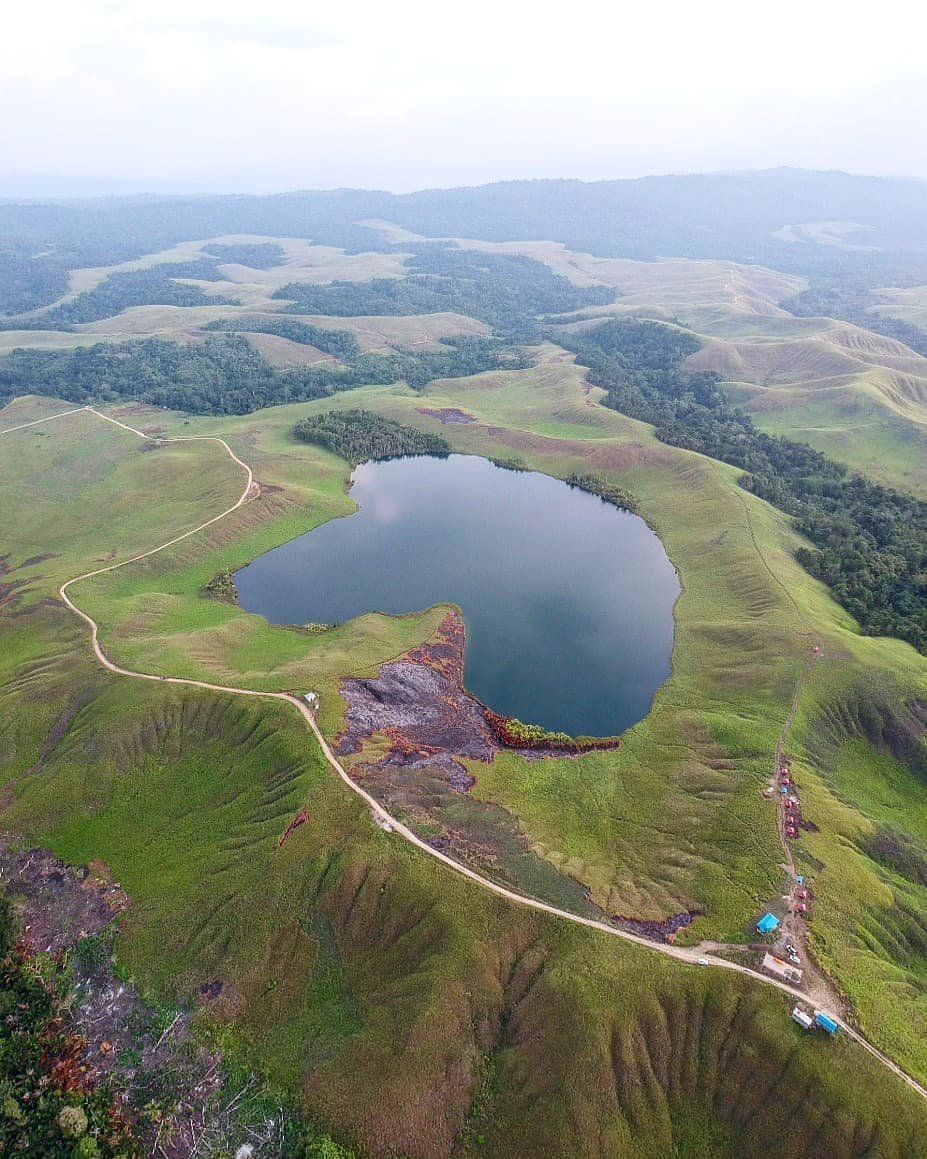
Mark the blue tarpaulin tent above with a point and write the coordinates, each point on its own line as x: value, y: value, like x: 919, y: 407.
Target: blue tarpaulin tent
x: 826, y: 1022
x: 768, y: 924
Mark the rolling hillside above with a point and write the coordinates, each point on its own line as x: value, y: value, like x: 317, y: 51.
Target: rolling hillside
x: 394, y: 1003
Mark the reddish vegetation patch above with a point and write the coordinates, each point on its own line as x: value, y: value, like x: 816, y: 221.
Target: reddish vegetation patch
x: 301, y: 818
x: 448, y: 414
x: 511, y: 733
x: 664, y: 931
x: 69, y: 913
x: 420, y: 705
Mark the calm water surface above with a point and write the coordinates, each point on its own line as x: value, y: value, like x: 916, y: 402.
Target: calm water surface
x: 568, y: 601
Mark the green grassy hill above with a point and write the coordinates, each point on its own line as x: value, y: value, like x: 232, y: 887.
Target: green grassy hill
x: 338, y: 945
x: 407, y: 1010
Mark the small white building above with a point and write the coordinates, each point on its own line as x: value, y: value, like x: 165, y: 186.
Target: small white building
x: 312, y: 699
x: 803, y: 1018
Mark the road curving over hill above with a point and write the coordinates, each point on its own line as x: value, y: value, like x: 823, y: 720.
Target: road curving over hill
x: 690, y: 955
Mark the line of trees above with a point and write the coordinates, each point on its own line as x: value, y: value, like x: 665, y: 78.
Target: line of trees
x: 360, y: 435
x: 153, y: 286
x: 224, y: 374
x: 870, y: 541
x: 258, y: 255
x: 341, y: 344
x: 605, y: 489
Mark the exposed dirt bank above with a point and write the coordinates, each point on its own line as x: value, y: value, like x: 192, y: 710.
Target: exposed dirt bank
x: 429, y: 720
x: 664, y: 931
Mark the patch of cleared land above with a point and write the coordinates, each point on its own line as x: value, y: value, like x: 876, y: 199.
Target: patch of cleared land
x: 845, y: 235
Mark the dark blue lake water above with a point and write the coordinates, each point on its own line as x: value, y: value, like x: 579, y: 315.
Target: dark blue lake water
x: 568, y: 601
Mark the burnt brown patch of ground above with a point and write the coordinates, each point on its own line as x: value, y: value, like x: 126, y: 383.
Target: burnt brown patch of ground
x: 420, y: 704
x: 174, y: 1091
x: 412, y: 728
x: 447, y: 415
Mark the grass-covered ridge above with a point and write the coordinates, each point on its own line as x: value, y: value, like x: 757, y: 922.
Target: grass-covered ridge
x: 871, y: 541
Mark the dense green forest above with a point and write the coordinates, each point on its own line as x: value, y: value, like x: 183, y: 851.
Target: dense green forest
x: 870, y: 541
x: 852, y: 303
x: 359, y: 435
x: 225, y: 374
x: 506, y: 291
x: 733, y: 215
x: 257, y: 255
x: 154, y: 286
x: 27, y: 282
x: 339, y: 343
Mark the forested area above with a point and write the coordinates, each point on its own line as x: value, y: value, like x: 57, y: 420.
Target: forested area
x: 257, y: 255
x: 359, y: 435
x: 224, y: 374
x: 508, y: 292
x: 340, y: 344
x: 736, y: 216
x: 153, y: 286
x: 605, y: 489
x: 27, y: 283
x: 56, y: 237
x: 852, y: 303
x: 870, y: 541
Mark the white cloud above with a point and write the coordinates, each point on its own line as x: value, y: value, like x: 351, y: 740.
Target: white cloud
x: 412, y: 93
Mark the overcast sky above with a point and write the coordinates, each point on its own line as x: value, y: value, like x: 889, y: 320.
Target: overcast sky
x: 227, y: 94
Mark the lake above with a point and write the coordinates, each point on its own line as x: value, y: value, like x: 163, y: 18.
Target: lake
x: 568, y: 601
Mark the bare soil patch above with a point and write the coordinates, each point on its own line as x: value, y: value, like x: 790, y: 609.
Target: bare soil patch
x: 447, y: 415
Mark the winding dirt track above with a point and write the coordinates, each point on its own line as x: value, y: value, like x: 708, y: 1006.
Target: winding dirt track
x: 385, y: 820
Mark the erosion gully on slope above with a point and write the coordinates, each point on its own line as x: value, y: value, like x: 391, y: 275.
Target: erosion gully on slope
x: 381, y: 816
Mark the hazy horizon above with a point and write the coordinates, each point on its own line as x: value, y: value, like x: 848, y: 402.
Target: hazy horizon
x: 223, y: 98
x: 65, y: 186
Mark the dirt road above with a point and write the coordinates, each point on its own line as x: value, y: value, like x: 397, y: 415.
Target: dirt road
x: 689, y: 955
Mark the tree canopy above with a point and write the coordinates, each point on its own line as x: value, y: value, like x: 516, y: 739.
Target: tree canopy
x: 359, y: 435
x: 870, y: 542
